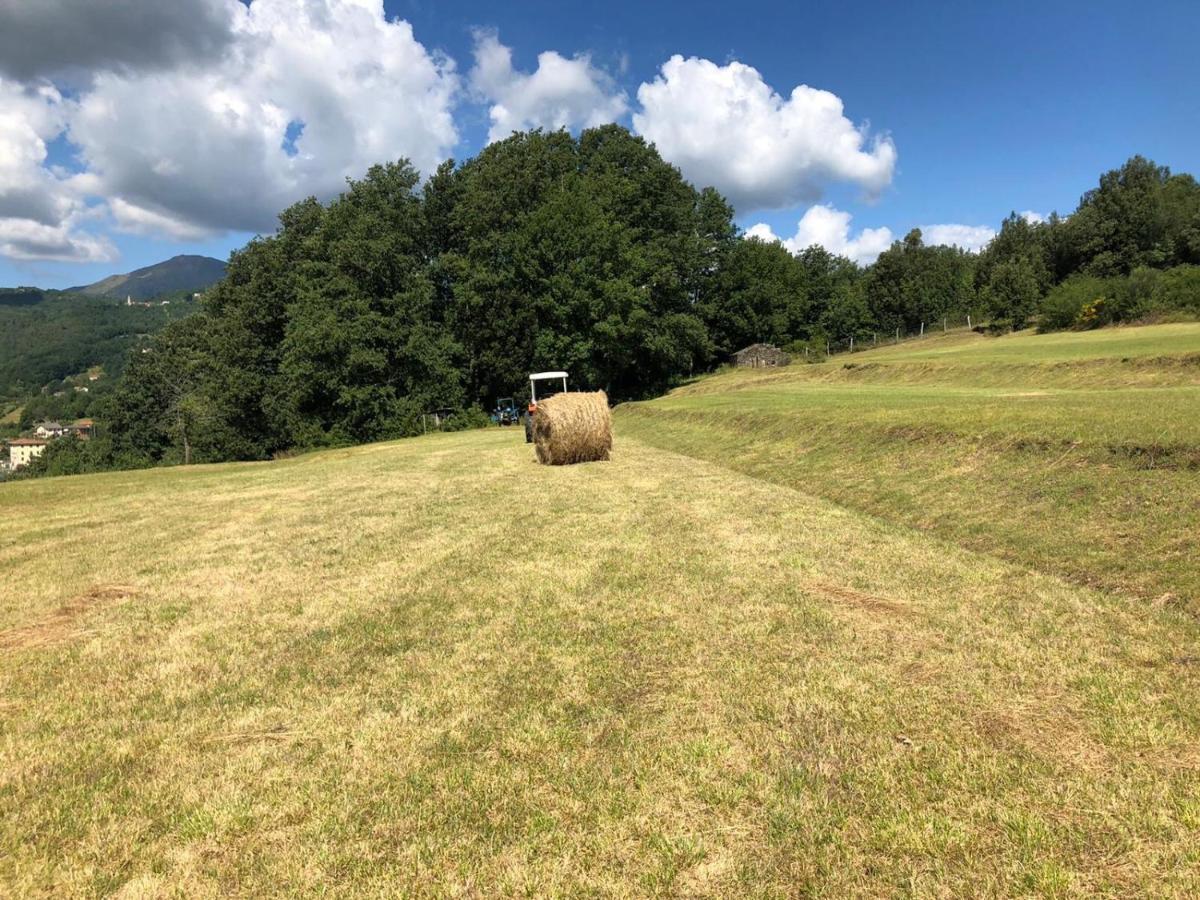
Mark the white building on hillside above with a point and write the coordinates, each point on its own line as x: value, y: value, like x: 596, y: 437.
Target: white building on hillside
x: 23, y: 451
x: 49, y: 429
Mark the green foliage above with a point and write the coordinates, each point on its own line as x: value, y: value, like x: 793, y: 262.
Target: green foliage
x: 912, y: 283
x: 591, y: 255
x: 1177, y: 290
x: 547, y: 251
x: 1064, y: 305
x: 1085, y: 301
x: 63, y: 334
x: 1139, y: 215
x: 70, y: 456
x: 760, y: 295
x: 1012, y: 292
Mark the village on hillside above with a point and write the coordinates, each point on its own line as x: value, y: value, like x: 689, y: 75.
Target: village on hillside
x: 23, y: 450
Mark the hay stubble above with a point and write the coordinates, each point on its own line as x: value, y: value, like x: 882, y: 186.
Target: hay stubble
x: 383, y: 671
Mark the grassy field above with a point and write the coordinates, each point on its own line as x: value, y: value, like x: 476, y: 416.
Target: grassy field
x: 1076, y: 453
x: 433, y: 667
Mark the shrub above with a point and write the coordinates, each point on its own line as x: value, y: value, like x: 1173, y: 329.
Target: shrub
x: 1178, y: 290
x: 1134, y: 295
x: 1064, y: 306
x: 1101, y: 311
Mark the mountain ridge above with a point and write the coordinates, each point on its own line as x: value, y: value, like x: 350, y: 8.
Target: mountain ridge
x: 184, y: 272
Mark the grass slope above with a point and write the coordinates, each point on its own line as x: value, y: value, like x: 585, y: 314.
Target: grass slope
x: 1077, y: 454
x: 433, y: 667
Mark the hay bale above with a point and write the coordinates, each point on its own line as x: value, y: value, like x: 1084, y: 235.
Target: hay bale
x: 572, y: 428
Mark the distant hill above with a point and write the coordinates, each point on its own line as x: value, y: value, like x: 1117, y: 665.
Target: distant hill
x: 21, y: 296
x: 59, y: 334
x: 179, y: 273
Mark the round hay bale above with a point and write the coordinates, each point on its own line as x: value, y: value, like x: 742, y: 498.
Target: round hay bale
x: 572, y: 428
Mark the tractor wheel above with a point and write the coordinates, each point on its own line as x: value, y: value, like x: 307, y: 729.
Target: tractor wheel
x: 529, y: 429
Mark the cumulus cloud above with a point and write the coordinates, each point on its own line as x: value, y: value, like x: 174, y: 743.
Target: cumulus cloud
x: 560, y: 93
x: 724, y: 126
x: 26, y: 239
x: 40, y: 209
x: 306, y: 94
x: 971, y: 238
x: 29, y: 118
x: 1033, y: 218
x: 134, y: 219
x: 830, y: 228
x: 46, y: 37
x: 206, y: 149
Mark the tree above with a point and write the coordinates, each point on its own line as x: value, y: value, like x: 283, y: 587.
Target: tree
x: 1012, y: 293
x: 760, y: 295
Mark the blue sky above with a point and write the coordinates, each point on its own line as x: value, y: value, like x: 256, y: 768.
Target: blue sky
x: 988, y: 107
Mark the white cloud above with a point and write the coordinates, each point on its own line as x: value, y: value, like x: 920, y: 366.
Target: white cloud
x: 180, y: 150
x: 198, y: 150
x: 30, y: 116
x: 1033, y: 218
x: 40, y: 209
x: 724, y: 126
x: 195, y: 150
x: 27, y: 239
x: 971, y: 238
x: 560, y: 93
x: 135, y: 219
x: 830, y: 228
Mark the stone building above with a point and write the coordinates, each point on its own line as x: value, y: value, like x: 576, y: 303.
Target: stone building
x: 761, y: 356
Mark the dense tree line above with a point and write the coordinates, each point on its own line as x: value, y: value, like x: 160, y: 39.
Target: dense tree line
x: 590, y: 254
x: 1129, y: 250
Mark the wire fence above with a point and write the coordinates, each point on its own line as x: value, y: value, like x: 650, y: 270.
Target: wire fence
x: 821, y: 348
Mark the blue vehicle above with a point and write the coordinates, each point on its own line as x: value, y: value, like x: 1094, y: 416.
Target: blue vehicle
x: 506, y: 412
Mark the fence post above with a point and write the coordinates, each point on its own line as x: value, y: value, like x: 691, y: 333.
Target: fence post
x: 875, y: 339
x: 922, y: 329
x: 851, y: 343
x: 944, y: 326
x: 968, y: 321
x: 897, y: 334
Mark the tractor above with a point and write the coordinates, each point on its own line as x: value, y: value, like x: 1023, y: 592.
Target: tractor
x: 543, y: 385
x: 506, y: 412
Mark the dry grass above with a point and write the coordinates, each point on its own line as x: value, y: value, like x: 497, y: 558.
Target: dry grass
x: 380, y: 671
x: 62, y: 623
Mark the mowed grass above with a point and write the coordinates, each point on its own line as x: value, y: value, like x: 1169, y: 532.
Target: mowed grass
x: 1061, y: 346
x: 1075, y: 454
x: 434, y: 667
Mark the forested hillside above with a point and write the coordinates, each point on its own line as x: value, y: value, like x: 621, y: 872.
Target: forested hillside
x: 594, y: 255
x: 46, y: 336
